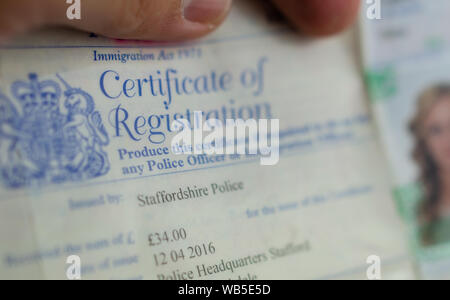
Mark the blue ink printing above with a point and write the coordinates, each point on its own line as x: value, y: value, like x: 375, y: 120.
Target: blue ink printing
x: 39, y: 144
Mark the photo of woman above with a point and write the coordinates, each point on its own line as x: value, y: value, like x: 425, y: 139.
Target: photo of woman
x: 431, y: 130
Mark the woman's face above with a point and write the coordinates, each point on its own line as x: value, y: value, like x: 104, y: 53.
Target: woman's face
x: 437, y: 133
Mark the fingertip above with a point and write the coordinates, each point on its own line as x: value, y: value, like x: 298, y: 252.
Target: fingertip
x: 320, y: 17
x: 19, y: 16
x: 155, y: 20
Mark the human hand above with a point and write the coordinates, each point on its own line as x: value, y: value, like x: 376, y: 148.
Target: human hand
x: 166, y: 20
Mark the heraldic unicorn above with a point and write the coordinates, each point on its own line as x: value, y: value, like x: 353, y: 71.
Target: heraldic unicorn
x: 45, y: 139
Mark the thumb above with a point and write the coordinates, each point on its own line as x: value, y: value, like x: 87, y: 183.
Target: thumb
x: 162, y: 20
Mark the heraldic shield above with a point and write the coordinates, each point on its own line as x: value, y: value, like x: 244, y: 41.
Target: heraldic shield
x: 50, y: 134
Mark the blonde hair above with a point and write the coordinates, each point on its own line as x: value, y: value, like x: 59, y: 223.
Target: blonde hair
x: 429, y: 173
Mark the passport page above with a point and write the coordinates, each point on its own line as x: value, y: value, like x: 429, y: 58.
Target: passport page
x: 407, y: 69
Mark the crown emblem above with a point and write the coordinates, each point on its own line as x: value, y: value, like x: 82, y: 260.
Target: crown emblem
x: 36, y: 95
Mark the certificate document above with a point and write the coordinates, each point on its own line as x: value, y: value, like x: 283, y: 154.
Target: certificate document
x: 90, y: 175
x: 407, y: 67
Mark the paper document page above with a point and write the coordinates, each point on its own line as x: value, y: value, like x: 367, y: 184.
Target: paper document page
x: 407, y: 68
x: 89, y: 171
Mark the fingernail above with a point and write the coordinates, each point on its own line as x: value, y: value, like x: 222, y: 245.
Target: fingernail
x: 205, y: 11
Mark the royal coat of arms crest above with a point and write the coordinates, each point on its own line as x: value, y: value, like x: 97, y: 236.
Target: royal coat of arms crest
x: 50, y: 134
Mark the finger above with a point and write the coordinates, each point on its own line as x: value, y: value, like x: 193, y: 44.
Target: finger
x: 320, y: 17
x: 162, y: 20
